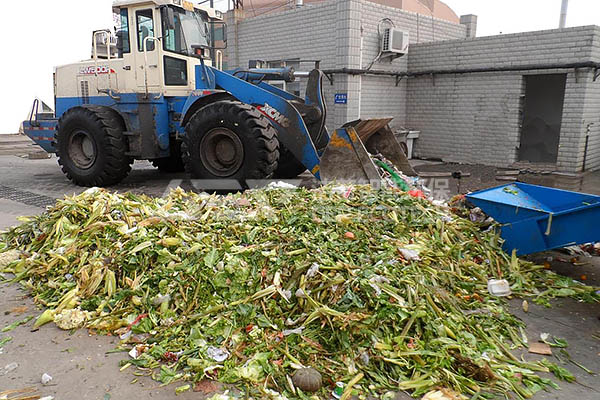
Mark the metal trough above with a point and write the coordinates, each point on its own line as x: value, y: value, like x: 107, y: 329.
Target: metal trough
x: 537, y: 218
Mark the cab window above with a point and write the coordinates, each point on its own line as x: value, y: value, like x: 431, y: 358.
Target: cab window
x: 121, y: 18
x: 190, y: 29
x: 145, y: 28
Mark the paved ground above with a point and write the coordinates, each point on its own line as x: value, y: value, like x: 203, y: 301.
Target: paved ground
x: 481, y: 176
x: 81, y: 368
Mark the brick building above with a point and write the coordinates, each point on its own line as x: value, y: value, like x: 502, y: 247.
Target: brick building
x: 497, y: 100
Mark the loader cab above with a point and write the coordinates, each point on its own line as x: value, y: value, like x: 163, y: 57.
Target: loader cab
x: 161, y: 42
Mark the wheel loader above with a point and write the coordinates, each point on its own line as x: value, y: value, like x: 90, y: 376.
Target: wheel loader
x: 152, y: 92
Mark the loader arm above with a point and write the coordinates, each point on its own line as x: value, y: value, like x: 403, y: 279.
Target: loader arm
x: 286, y: 119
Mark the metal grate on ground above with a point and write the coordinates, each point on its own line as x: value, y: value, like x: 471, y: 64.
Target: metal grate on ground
x: 24, y: 197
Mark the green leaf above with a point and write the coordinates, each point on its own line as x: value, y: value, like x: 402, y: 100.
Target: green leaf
x: 211, y: 258
x: 12, y: 326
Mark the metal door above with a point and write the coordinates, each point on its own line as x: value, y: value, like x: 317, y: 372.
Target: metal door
x: 542, y: 117
x: 146, y: 23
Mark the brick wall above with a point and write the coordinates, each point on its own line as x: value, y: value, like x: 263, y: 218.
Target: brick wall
x: 342, y: 34
x: 380, y: 97
x: 591, y: 127
x: 475, y: 117
x: 591, y: 112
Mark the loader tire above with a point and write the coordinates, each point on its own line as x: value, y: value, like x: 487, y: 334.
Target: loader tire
x: 91, y: 147
x: 173, y: 163
x: 289, y: 167
x: 230, y: 140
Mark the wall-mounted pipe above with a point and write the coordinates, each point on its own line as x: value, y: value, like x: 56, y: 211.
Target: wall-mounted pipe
x: 512, y: 68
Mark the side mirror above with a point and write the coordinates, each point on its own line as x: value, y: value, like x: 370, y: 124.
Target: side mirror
x: 168, y: 18
x: 222, y: 38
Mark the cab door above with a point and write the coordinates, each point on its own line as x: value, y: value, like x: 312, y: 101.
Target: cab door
x: 148, y: 66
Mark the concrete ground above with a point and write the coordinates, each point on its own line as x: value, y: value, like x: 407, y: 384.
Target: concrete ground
x: 82, y: 369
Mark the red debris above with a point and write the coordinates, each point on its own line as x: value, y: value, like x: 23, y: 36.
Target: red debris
x: 137, y: 320
x: 417, y: 194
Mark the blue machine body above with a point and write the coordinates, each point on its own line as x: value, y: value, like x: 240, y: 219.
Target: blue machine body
x: 168, y: 114
x: 537, y: 218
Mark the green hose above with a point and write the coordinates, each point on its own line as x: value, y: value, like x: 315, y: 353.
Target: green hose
x: 397, y: 180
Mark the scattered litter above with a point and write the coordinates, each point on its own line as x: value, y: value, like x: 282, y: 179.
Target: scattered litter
x: 579, y: 250
x: 340, y: 189
x: 312, y: 271
x: 217, y: 354
x: 9, y: 368
x: 281, y: 185
x: 338, y: 391
x: 540, y: 348
x: 477, y: 215
x: 525, y: 306
x: 46, y: 379
x: 47, y: 398
x: 126, y: 335
x: 499, y: 287
x: 136, y: 351
x: 409, y: 254
x: 230, y: 282
x: 297, y: 331
x: 133, y: 353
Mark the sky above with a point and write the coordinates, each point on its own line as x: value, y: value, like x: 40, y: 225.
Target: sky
x: 40, y: 34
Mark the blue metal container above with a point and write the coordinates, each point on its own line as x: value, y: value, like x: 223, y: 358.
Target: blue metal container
x: 537, y: 218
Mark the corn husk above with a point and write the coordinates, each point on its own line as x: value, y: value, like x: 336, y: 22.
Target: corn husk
x: 180, y: 275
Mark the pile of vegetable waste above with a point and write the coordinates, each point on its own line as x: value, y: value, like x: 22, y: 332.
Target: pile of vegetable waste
x: 374, y: 290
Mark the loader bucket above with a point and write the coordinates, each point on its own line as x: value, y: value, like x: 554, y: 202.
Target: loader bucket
x: 378, y: 138
x: 346, y: 160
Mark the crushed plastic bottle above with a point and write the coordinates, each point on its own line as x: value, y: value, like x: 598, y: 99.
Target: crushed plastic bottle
x: 9, y: 368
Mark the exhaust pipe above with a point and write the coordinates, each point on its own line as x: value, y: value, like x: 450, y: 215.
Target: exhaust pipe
x: 563, y: 14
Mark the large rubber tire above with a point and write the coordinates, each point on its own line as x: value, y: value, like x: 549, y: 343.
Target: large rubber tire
x: 173, y: 163
x: 230, y: 140
x: 289, y: 167
x: 91, y: 147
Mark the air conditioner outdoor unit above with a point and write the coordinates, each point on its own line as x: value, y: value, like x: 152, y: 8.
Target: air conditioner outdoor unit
x: 394, y: 42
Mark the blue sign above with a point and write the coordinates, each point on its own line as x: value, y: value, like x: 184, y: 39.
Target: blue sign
x: 340, y: 98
